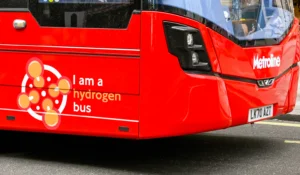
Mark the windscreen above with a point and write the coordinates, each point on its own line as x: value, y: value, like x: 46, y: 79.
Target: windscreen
x: 244, y: 19
x: 83, y: 13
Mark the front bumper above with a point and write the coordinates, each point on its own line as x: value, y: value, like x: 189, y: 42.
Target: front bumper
x: 243, y: 96
x: 228, y: 101
x: 199, y: 103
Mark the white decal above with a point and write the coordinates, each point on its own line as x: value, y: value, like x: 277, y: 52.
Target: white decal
x: 262, y: 63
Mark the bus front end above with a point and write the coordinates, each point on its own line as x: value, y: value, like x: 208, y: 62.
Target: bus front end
x: 214, y: 64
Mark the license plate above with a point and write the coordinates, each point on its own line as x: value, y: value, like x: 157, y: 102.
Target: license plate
x: 260, y: 113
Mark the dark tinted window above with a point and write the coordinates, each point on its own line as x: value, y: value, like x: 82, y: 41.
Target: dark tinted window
x: 13, y: 3
x: 83, y: 13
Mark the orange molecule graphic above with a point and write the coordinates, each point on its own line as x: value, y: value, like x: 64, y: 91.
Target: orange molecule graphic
x: 39, y: 82
x: 34, y: 97
x: 44, y: 102
x: 23, y: 101
x: 51, y: 118
x: 35, y: 69
x: 64, y: 85
x: 47, y: 104
x: 53, y: 90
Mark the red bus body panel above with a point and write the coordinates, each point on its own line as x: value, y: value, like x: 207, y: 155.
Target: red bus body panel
x: 98, y: 60
x: 142, y: 86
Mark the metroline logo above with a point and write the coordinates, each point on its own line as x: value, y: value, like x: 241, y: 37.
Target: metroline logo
x: 262, y: 63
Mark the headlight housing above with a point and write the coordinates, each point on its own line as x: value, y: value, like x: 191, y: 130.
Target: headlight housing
x: 186, y: 43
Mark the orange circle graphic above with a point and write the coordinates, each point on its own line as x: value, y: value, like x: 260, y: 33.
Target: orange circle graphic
x: 64, y: 85
x: 53, y: 90
x: 39, y: 82
x: 35, y: 69
x: 47, y: 104
x: 23, y: 101
x: 51, y: 118
x: 34, y: 96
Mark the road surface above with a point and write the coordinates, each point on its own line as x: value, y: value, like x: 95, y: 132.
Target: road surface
x: 272, y: 147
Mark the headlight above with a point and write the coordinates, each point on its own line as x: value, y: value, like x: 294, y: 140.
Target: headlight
x: 195, y: 59
x: 190, y: 40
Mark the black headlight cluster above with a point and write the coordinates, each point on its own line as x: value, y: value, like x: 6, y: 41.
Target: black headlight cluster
x: 186, y: 43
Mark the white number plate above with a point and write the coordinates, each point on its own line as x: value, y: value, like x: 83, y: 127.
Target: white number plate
x: 260, y: 113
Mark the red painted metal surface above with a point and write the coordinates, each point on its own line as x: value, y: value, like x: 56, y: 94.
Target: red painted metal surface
x: 101, y: 65
x: 175, y: 103
x: 127, y: 78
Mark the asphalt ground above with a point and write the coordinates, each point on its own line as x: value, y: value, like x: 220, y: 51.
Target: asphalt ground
x: 269, y: 147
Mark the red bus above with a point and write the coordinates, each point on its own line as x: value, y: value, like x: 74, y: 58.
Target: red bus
x: 144, y: 69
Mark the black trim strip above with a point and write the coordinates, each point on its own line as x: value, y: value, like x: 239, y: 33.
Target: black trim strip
x: 215, y: 27
x: 235, y: 78
x: 250, y: 80
x: 286, y: 71
x: 71, y: 53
